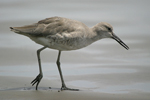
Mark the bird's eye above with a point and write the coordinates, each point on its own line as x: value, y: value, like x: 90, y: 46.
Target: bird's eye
x: 109, y: 29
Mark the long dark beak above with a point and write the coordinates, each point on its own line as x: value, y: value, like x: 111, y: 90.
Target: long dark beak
x: 120, y: 41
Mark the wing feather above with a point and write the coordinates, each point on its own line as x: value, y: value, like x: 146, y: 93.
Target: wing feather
x: 48, y: 26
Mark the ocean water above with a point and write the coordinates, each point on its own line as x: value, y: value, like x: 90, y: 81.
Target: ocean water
x: 104, y: 66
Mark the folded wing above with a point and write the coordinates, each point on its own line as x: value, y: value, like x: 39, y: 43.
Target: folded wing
x: 48, y: 26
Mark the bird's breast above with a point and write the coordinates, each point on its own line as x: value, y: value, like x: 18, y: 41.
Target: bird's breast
x: 63, y: 44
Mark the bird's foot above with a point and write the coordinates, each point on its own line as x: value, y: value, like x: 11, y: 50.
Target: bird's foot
x: 66, y: 88
x: 37, y: 80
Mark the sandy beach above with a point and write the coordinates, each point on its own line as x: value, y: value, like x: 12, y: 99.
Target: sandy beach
x: 102, y: 71
x: 14, y: 88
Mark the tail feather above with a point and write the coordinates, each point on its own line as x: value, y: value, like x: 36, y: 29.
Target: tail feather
x: 11, y: 27
x: 24, y: 30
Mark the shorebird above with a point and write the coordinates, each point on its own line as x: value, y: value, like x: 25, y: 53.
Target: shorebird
x: 64, y: 34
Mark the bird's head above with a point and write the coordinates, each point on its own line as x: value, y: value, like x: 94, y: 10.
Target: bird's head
x: 105, y: 30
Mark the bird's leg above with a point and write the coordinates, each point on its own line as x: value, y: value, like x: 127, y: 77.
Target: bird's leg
x: 61, y: 76
x: 40, y: 76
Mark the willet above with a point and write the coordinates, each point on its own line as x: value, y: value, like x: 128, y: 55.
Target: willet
x: 64, y: 34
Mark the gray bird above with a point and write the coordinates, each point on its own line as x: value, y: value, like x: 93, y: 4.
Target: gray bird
x: 64, y: 34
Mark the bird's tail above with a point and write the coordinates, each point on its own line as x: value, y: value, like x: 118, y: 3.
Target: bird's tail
x: 25, y: 30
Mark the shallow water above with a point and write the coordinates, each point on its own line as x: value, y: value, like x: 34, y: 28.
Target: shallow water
x: 104, y: 66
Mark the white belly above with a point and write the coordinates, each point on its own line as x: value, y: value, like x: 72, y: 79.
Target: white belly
x: 62, y: 45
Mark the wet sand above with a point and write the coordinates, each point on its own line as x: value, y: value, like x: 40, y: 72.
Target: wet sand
x: 15, y: 88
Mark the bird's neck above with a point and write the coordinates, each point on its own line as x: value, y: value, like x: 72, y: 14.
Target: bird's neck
x: 94, y: 36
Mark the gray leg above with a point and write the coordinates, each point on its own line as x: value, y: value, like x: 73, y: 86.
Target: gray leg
x: 40, y: 76
x: 61, y: 76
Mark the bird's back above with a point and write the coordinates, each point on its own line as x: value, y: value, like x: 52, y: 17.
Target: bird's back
x: 50, y: 26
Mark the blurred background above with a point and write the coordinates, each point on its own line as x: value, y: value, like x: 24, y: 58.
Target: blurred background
x: 104, y: 66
